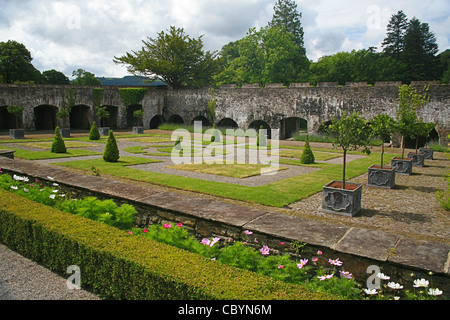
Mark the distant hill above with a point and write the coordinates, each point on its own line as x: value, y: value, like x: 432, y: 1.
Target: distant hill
x: 132, y: 81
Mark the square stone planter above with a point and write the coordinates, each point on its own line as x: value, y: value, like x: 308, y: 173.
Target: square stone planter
x: 402, y: 166
x: 381, y: 178
x: 17, y: 133
x: 65, y: 132
x: 104, y: 131
x: 339, y: 201
x: 418, y: 159
x: 429, y: 153
x: 138, y: 130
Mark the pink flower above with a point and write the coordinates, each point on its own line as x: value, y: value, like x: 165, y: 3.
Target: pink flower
x: 180, y: 225
x: 346, y: 274
x: 265, y: 250
x: 145, y: 230
x: 315, y: 259
x: 248, y: 232
x: 256, y: 240
x: 325, y: 277
x: 130, y: 232
x: 167, y: 226
x: 205, y: 241
x: 302, y: 263
x: 335, y: 262
x: 214, y: 241
x: 319, y: 253
x: 280, y: 266
x: 282, y: 243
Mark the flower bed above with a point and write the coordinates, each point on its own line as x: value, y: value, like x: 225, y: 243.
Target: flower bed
x: 250, y: 256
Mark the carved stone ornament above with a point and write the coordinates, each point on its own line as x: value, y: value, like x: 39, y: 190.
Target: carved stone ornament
x: 338, y: 201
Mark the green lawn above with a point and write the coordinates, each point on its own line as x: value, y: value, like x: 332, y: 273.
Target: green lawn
x: 276, y: 194
x: 41, y: 155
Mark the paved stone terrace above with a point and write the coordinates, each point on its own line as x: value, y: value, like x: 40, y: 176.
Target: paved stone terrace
x: 413, y: 239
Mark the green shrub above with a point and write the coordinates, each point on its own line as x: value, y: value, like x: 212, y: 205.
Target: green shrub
x: 307, y: 155
x: 94, y: 134
x: 111, y: 153
x: 117, y: 265
x: 58, y: 145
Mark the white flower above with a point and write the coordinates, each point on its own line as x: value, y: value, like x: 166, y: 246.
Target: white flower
x: 52, y: 196
x: 434, y: 292
x: 421, y: 283
x: 370, y: 291
x: 396, y: 298
x: 25, y: 189
x: 55, y: 184
x: 55, y: 191
x: 62, y: 195
x: 14, y: 187
x: 382, y: 276
x: 50, y: 178
x: 394, y: 285
x: 335, y: 262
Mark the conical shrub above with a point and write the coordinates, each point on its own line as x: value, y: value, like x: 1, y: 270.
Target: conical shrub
x: 111, y: 153
x: 307, y: 155
x: 94, y: 134
x: 58, y: 145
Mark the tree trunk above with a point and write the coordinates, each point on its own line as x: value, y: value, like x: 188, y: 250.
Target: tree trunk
x: 382, y: 153
x: 343, y: 169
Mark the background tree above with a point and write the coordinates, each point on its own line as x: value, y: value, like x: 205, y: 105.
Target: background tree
x: 85, y: 78
x: 287, y: 16
x: 394, y: 43
x: 54, y: 77
x: 15, y: 63
x: 173, y: 56
x: 444, y: 58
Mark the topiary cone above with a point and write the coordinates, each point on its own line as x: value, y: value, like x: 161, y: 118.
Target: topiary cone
x: 307, y: 155
x: 111, y: 153
x: 94, y: 134
x: 58, y: 145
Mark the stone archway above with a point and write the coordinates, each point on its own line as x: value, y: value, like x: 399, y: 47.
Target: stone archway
x: 205, y: 121
x: 257, y: 125
x: 227, y: 123
x: 157, y: 121
x: 112, y: 120
x: 45, y: 117
x: 79, y: 117
x: 7, y: 120
x: 292, y: 125
x: 175, y: 119
x: 131, y: 120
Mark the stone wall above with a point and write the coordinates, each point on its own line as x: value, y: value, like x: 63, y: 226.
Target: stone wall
x: 246, y: 106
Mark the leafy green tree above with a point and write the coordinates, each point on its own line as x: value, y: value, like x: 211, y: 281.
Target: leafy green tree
x: 266, y: 56
x: 410, y: 100
x: 349, y: 132
x: 85, y: 78
x: 58, y: 145
x: 383, y: 126
x: 287, y: 16
x: 54, y: 77
x: 173, y: 56
x: 445, y: 65
x: 15, y: 63
x: 111, y: 153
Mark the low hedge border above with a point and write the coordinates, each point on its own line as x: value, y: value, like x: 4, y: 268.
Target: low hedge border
x: 117, y: 265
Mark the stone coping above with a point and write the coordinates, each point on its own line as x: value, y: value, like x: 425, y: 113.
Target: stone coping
x: 215, y: 217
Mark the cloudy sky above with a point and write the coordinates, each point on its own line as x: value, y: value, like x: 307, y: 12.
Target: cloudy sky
x: 71, y: 34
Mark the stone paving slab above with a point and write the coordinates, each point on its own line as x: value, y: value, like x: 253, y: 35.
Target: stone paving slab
x: 124, y: 190
x: 368, y: 243
x: 422, y: 254
x: 300, y: 229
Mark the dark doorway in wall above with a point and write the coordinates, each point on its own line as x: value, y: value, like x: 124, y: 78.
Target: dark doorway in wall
x: 176, y: 119
x: 290, y: 126
x: 7, y: 120
x: 227, y: 123
x: 45, y: 117
x: 79, y: 117
x: 112, y: 119
x: 156, y: 121
x: 257, y: 125
x: 131, y: 120
x: 205, y: 121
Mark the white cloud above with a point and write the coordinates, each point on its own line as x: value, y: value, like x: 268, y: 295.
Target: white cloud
x: 67, y: 35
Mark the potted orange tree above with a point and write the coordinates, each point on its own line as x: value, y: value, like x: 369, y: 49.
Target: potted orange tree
x: 381, y: 175
x: 409, y: 101
x: 348, y: 133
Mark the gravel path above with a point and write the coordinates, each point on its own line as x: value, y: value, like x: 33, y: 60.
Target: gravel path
x: 23, y: 279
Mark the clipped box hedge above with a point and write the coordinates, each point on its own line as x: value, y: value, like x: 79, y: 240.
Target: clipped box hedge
x: 117, y: 265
